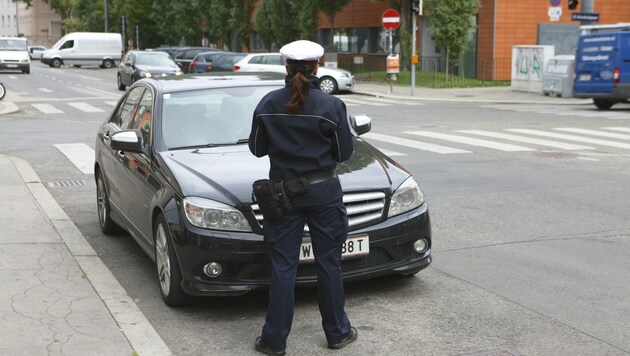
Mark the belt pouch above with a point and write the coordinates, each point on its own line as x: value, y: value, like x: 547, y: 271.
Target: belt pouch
x: 267, y: 198
x: 297, y: 186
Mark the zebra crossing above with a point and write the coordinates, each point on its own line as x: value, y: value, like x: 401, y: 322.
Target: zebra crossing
x: 586, y: 111
x: 354, y: 101
x: 602, y: 141
x: 62, y: 107
x: 594, y: 144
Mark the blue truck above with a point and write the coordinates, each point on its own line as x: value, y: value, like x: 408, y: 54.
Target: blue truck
x: 602, y: 64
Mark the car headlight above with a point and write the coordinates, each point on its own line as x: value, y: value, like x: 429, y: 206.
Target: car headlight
x: 179, y: 72
x: 408, y: 196
x: 345, y: 75
x: 24, y: 61
x: 210, y: 214
x: 145, y: 74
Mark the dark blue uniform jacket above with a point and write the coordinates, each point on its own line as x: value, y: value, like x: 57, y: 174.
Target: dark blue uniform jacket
x: 312, y: 141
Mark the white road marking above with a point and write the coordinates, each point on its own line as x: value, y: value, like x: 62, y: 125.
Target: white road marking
x: 595, y: 133
x: 364, y: 102
x: 588, y: 159
x: 535, y: 141
x: 80, y: 154
x: 471, y: 141
x: 572, y: 138
x: 12, y: 77
x: 45, y: 90
x: 391, y: 153
x: 47, y: 109
x: 112, y: 103
x: 621, y: 129
x: 424, y: 146
x: 394, y: 101
x: 85, y: 107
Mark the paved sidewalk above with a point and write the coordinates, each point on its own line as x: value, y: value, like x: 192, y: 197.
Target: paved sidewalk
x: 57, y: 296
x: 502, y: 95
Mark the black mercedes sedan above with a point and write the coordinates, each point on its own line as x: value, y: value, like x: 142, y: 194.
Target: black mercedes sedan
x: 173, y: 169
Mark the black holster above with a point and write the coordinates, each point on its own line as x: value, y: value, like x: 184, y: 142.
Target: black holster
x: 271, y: 197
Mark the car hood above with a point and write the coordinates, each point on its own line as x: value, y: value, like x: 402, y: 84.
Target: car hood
x: 15, y: 55
x: 322, y: 71
x: 158, y: 69
x: 226, y: 173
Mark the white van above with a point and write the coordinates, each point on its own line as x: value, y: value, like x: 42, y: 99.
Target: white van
x: 14, y: 54
x: 85, y: 49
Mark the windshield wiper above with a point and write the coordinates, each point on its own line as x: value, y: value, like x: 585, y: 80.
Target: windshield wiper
x: 207, y: 145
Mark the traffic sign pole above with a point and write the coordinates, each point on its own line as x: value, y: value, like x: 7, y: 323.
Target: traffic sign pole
x: 413, y: 52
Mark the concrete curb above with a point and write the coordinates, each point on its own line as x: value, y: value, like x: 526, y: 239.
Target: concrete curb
x: 141, y: 335
x: 8, y: 107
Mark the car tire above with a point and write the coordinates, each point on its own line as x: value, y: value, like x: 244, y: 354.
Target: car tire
x: 56, y: 63
x: 77, y: 66
x: 108, y: 226
x: 328, y: 85
x: 603, y: 104
x: 3, y: 92
x: 121, y: 86
x: 108, y: 63
x: 26, y: 71
x: 167, y: 267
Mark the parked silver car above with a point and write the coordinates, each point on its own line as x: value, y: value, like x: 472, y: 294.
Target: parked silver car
x: 331, y: 80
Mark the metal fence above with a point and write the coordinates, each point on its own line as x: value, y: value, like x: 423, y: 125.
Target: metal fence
x: 433, y: 71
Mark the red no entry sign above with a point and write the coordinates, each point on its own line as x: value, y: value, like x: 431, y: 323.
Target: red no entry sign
x: 391, y: 19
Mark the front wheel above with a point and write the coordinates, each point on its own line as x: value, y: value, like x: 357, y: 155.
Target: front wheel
x: 121, y: 86
x: 56, y: 63
x: 603, y: 104
x: 168, y: 272
x: 108, y: 226
x: 3, y: 91
x: 328, y: 85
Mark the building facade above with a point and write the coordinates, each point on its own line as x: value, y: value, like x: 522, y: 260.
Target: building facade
x: 8, y: 18
x: 38, y: 23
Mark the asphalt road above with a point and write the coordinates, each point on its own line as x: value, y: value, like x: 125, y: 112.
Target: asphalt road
x: 530, y: 246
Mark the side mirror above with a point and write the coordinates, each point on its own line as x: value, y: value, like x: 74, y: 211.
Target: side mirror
x: 128, y: 140
x: 361, y: 123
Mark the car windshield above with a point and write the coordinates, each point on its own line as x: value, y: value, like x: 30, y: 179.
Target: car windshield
x: 209, y: 117
x: 154, y: 59
x: 12, y: 45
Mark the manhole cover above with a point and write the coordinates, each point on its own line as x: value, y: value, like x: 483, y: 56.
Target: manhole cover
x: 68, y: 183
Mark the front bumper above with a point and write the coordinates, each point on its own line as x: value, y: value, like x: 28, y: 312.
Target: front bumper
x: 246, y: 264
x: 45, y: 60
x: 15, y: 66
x: 346, y: 83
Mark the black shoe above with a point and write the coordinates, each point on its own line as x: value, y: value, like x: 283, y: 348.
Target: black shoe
x: 350, y: 338
x: 261, y: 347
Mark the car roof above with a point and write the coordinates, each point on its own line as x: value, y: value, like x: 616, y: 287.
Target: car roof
x: 171, y: 84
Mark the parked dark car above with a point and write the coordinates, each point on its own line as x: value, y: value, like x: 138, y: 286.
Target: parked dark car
x: 173, y: 168
x: 203, y: 60
x: 136, y: 65
x: 169, y: 50
x: 184, y: 56
x: 225, y: 63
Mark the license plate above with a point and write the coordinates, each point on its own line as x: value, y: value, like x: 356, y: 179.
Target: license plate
x: 585, y: 77
x: 11, y: 65
x: 355, y: 246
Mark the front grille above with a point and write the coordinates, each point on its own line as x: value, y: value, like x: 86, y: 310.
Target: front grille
x: 362, y: 208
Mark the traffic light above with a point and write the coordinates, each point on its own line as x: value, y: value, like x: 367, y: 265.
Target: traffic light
x: 415, y: 7
x: 573, y: 4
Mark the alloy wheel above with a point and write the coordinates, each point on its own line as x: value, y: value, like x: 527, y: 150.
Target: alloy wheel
x: 163, y: 259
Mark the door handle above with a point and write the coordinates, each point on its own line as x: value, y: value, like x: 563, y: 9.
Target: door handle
x: 121, y: 154
x: 105, y: 136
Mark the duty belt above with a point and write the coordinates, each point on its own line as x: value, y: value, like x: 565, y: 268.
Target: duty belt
x: 320, y: 176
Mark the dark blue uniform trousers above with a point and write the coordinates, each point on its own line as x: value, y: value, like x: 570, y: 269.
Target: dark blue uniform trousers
x: 328, y: 227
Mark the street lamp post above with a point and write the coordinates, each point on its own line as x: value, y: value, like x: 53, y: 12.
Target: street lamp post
x: 106, y: 18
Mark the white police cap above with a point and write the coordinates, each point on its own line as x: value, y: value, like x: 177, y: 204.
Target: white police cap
x: 302, y: 50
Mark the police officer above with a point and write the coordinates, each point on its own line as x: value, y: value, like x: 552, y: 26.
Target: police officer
x: 305, y: 133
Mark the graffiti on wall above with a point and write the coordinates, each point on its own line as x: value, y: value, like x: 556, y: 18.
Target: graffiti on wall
x: 529, y: 64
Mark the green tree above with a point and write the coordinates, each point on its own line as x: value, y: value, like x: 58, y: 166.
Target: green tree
x: 451, y: 21
x: 264, y: 29
x: 241, y: 20
x: 283, y: 21
x: 331, y: 8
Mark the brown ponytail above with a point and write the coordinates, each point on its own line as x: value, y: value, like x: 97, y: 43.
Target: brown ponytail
x: 300, y: 85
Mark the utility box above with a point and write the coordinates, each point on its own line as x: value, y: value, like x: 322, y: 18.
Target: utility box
x: 393, y: 63
x: 558, y: 76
